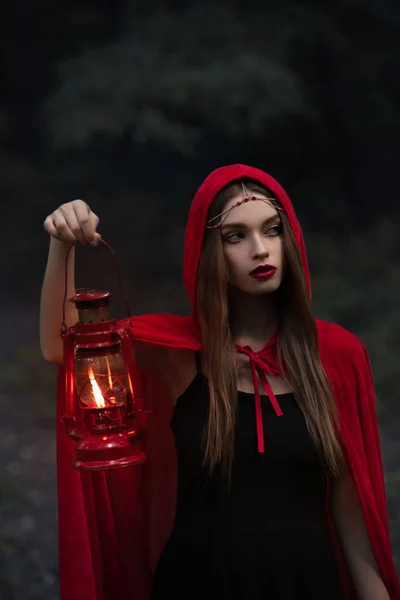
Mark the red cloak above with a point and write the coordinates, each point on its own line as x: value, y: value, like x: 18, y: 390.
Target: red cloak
x: 151, y: 487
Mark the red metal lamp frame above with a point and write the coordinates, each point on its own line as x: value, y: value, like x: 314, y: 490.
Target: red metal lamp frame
x: 107, y: 437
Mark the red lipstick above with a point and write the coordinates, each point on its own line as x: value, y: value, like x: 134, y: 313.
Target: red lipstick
x: 263, y: 272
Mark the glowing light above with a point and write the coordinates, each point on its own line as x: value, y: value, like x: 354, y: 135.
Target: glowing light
x: 130, y: 385
x: 110, y: 383
x: 98, y: 396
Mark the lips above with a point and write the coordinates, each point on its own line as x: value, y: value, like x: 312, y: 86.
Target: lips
x: 263, y: 270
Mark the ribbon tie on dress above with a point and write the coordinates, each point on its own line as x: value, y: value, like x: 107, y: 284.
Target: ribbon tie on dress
x: 262, y: 363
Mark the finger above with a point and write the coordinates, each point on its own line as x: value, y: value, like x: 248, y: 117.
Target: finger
x: 82, y: 214
x: 73, y: 223
x: 97, y: 240
x: 50, y: 227
x: 63, y: 230
x: 95, y: 221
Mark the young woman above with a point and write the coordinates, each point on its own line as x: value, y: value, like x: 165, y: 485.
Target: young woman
x: 280, y: 491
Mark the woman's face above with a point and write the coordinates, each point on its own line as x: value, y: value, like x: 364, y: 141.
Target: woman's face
x: 251, y: 238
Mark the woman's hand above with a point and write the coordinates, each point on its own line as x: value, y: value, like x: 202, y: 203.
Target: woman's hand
x: 73, y: 222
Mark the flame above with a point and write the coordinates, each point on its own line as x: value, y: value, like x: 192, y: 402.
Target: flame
x: 98, y: 396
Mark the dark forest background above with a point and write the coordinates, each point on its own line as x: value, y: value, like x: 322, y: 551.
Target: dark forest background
x: 129, y: 105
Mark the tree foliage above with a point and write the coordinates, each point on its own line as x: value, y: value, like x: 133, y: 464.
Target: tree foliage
x: 174, y: 74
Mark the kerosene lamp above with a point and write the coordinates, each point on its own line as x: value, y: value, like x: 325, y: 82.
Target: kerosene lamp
x: 104, y: 410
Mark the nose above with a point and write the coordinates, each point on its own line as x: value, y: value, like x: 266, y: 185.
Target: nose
x: 260, y: 247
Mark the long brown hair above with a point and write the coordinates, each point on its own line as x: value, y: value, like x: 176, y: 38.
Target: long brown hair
x: 298, y: 352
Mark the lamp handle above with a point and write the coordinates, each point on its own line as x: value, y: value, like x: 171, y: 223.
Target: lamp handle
x: 63, y: 328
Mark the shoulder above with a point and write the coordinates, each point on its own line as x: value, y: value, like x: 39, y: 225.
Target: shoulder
x: 348, y: 367
x: 339, y: 343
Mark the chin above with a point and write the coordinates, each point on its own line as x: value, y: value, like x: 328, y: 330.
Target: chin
x: 260, y: 289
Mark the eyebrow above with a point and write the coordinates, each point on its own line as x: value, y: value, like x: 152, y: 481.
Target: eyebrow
x: 271, y: 219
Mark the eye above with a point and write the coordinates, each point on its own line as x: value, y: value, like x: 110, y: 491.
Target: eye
x: 234, y: 237
x: 275, y: 230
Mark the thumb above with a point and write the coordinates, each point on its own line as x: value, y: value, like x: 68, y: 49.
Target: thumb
x: 96, y: 240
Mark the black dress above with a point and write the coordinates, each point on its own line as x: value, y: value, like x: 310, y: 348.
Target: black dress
x: 265, y: 538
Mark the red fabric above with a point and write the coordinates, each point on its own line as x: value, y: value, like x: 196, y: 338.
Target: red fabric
x: 346, y: 363
x: 261, y: 363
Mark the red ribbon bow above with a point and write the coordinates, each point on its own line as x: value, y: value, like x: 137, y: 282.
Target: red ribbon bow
x: 261, y: 363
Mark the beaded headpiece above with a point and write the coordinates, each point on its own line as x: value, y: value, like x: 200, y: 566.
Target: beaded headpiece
x: 222, y: 216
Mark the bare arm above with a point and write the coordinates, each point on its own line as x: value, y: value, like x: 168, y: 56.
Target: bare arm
x: 70, y: 223
x: 349, y: 522
x: 51, y: 301
x: 75, y: 222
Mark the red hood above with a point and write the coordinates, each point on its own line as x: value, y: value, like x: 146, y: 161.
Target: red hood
x: 196, y: 223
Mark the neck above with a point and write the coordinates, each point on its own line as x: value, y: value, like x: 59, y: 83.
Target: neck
x: 253, y: 318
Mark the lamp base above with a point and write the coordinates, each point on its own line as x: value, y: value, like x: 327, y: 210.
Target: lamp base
x: 105, y: 452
